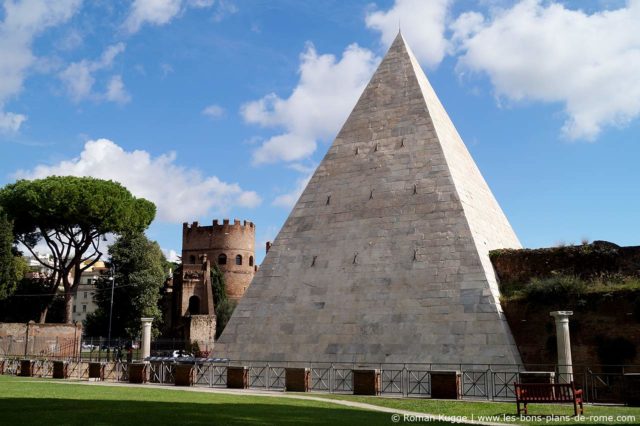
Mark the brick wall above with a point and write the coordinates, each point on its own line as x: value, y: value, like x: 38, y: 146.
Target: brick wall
x: 40, y: 339
x: 606, y: 325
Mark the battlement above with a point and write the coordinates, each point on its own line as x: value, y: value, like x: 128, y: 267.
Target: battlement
x: 216, y: 225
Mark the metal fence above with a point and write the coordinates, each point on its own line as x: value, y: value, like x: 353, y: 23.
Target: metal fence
x: 39, y: 346
x: 603, y: 384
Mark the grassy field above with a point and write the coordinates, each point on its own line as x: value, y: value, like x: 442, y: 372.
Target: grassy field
x: 27, y: 401
x: 554, y: 414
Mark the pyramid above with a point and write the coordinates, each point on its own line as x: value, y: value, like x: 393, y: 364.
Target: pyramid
x: 384, y: 258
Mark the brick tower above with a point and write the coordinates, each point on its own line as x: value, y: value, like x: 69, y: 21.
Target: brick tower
x: 230, y: 246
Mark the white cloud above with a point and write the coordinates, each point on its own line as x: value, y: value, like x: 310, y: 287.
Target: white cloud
x: 180, y: 194
x: 72, y: 40
x: 161, y: 12
x: 289, y: 199
x: 423, y: 26
x: 214, y: 111
x: 224, y: 9
x: 78, y: 78
x: 156, y: 12
x: 201, y: 3
x: 166, y: 69
x: 22, y: 22
x: 542, y: 51
x: 318, y: 105
x: 116, y: 91
x: 171, y: 255
x: 10, y: 121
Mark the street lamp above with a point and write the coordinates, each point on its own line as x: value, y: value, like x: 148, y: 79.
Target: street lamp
x: 113, y: 283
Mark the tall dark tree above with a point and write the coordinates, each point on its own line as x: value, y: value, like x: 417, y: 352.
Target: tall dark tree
x: 139, y: 278
x: 12, y: 266
x: 223, y: 306
x: 71, y: 215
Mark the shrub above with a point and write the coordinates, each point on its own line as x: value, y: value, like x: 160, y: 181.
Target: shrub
x: 554, y: 288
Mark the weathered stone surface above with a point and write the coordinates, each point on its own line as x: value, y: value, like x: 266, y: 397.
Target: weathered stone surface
x: 384, y: 258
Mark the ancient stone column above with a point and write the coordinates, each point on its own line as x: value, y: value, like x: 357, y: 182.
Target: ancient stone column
x: 565, y: 369
x: 146, y: 337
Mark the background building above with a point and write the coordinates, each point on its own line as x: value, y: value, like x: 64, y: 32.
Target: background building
x: 83, y: 303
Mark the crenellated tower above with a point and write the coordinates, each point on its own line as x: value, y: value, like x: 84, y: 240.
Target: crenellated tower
x: 231, y: 246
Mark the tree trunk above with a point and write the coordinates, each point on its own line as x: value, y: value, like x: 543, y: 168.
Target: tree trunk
x: 68, y: 307
x: 43, y: 313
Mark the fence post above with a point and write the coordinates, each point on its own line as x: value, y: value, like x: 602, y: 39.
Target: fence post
x: 331, y: 378
x: 489, y: 382
x: 404, y: 380
x: 268, y: 384
x: 26, y: 341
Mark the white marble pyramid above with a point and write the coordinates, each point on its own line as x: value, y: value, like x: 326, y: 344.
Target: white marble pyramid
x: 384, y: 258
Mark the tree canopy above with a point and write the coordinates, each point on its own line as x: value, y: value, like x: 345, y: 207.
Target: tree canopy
x: 139, y: 277
x: 70, y: 215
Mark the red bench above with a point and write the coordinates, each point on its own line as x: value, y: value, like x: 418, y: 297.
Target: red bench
x: 548, y: 393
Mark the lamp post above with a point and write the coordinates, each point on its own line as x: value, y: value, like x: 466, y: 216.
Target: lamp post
x: 113, y: 283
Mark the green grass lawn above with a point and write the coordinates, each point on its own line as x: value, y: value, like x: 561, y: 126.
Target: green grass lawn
x: 544, y: 413
x: 28, y: 401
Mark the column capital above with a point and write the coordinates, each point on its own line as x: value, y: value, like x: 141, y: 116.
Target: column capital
x: 146, y: 320
x: 561, y: 314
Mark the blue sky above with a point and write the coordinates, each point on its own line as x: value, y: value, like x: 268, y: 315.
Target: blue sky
x: 217, y: 109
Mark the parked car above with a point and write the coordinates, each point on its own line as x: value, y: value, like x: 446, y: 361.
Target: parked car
x: 181, y: 354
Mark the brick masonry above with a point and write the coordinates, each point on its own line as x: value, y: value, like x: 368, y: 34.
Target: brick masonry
x: 185, y: 375
x: 62, y: 340
x: 237, y: 377
x: 598, y: 321
x: 366, y: 382
x: 138, y: 373
x: 384, y: 258
x: 297, y: 379
x: 226, y: 238
x: 446, y: 384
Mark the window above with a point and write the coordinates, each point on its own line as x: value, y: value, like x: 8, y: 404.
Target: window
x: 250, y: 260
x: 84, y: 308
x: 85, y: 295
x: 238, y: 260
x: 222, y: 259
x: 89, y: 281
x: 74, y: 309
x: 192, y: 259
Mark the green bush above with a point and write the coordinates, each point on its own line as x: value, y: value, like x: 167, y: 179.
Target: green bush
x: 554, y: 288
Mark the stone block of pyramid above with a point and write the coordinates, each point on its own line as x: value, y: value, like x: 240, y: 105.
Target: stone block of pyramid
x: 384, y: 258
